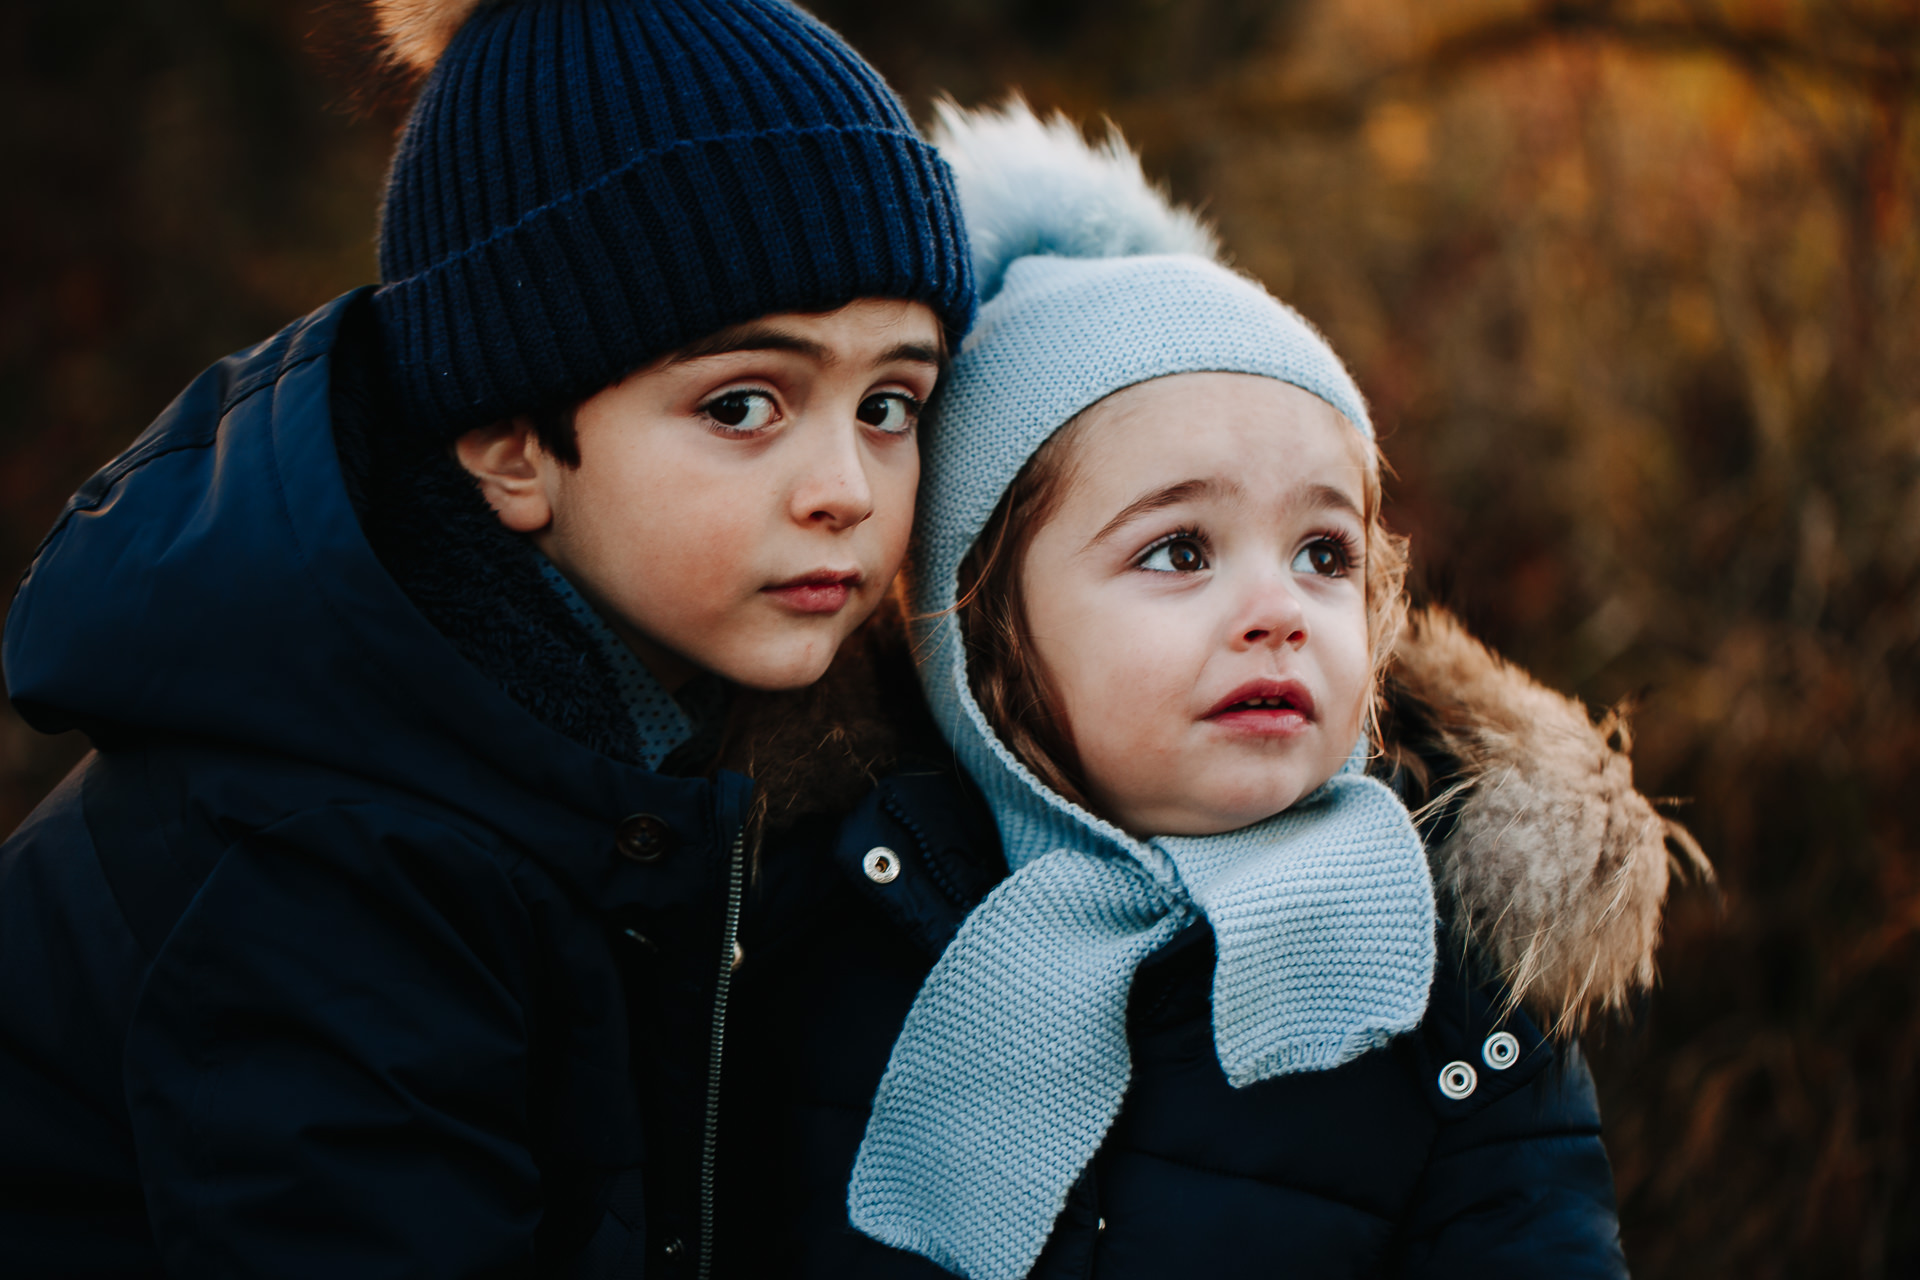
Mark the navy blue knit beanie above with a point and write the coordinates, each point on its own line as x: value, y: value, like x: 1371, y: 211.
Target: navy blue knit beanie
x: 587, y: 184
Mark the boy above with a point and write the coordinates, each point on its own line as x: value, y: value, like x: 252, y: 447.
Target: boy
x: 391, y: 926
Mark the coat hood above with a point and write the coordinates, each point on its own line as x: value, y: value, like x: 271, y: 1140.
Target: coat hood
x: 214, y: 583
x: 1550, y: 868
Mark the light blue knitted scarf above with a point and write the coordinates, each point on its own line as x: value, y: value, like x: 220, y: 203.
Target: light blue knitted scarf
x: 1014, y: 1060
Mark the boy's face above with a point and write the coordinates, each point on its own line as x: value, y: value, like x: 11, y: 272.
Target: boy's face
x: 1198, y: 600
x: 741, y: 505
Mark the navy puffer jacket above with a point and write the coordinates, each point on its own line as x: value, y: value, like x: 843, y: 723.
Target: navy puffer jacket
x: 322, y: 963
x: 353, y: 950
x: 1473, y: 1142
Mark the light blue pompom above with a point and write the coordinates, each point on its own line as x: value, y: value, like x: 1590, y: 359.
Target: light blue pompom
x: 1036, y: 186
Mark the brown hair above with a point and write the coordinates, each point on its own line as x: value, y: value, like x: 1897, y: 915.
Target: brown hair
x: 1005, y: 673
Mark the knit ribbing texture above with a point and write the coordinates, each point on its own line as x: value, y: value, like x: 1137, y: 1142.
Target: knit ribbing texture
x: 586, y: 184
x: 1014, y: 1060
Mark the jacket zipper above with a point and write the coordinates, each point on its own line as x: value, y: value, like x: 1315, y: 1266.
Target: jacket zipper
x: 710, y: 1135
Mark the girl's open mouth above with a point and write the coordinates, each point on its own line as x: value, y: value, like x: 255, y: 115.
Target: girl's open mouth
x: 1269, y: 706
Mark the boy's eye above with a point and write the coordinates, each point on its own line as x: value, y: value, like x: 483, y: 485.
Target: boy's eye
x: 1323, y: 556
x: 741, y: 411
x: 889, y: 411
x: 1176, y: 555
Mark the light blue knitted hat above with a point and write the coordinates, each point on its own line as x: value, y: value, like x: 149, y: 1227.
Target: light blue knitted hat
x: 1014, y: 1058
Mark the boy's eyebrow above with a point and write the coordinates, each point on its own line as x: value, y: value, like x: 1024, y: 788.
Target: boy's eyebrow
x: 765, y: 337
x: 913, y: 353
x: 1158, y: 499
x: 749, y: 337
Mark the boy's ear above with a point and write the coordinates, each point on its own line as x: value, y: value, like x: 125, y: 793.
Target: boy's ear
x: 507, y: 460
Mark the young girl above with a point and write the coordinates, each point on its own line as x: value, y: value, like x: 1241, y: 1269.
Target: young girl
x: 1156, y: 600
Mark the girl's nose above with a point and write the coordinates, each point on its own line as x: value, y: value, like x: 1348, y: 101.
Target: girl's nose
x: 1274, y: 616
x: 832, y: 488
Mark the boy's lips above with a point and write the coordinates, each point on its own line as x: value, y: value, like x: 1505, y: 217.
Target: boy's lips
x: 823, y: 591
x: 1265, y: 706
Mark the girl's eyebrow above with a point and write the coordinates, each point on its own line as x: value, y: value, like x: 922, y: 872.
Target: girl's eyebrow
x: 1159, y: 499
x: 1326, y: 495
x: 1317, y: 495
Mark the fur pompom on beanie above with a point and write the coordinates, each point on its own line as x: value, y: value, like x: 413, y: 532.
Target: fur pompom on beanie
x: 417, y: 32
x: 584, y: 185
x: 1034, y: 187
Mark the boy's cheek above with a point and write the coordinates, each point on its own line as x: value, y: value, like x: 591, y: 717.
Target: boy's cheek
x: 745, y: 635
x: 659, y: 533
x: 681, y: 553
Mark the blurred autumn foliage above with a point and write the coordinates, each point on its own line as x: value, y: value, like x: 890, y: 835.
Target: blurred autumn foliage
x: 1632, y: 286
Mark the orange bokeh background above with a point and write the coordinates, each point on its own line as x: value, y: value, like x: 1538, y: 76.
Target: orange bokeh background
x: 1631, y: 286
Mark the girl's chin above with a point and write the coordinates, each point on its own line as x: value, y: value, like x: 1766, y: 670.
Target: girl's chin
x: 1226, y: 782
x: 1268, y: 792
x: 1214, y: 818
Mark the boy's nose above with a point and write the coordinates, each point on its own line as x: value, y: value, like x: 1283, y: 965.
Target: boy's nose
x: 833, y: 488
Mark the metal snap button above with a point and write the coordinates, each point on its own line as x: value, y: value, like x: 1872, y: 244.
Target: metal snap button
x: 673, y: 1248
x: 1501, y: 1050
x: 643, y: 838
x: 881, y: 864
x: 1458, y: 1080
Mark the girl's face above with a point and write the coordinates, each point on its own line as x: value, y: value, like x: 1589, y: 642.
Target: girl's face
x: 1198, y: 600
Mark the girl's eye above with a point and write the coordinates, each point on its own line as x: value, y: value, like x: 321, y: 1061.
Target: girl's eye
x: 740, y: 412
x: 1326, y: 557
x: 889, y: 412
x: 1176, y: 555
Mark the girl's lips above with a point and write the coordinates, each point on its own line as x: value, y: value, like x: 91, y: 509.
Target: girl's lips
x: 1275, y: 722
x: 1265, y: 707
x: 825, y: 592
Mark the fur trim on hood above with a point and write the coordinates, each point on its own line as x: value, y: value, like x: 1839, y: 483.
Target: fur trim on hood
x: 1550, y: 868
